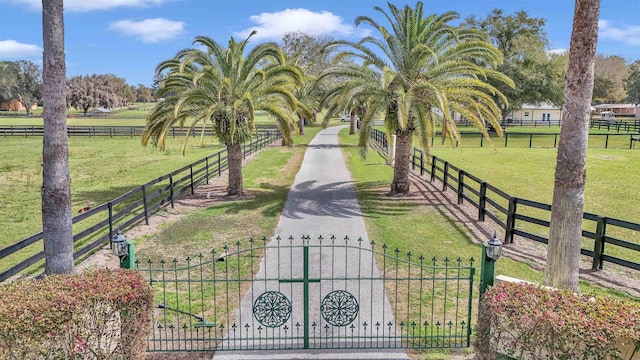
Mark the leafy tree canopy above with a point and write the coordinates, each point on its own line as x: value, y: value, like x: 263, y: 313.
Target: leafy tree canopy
x: 608, y: 82
x: 523, y: 43
x: 91, y: 91
x: 632, y: 83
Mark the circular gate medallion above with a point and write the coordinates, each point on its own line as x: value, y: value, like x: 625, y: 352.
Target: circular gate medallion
x: 272, y: 309
x: 339, y: 308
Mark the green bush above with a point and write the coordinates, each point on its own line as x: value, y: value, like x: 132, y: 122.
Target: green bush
x: 102, y: 314
x: 532, y: 322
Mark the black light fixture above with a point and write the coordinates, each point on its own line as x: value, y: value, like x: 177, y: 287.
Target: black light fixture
x: 119, y: 245
x: 494, y: 248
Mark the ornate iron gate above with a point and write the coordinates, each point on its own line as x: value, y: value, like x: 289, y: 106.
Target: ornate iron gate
x: 320, y: 293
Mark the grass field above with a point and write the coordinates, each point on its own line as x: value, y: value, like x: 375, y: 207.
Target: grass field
x: 418, y: 228
x: 612, y: 188
x: 134, y: 115
x: 101, y: 169
x: 423, y: 230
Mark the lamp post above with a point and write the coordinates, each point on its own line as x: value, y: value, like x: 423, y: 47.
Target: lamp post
x: 491, y: 252
x: 123, y: 249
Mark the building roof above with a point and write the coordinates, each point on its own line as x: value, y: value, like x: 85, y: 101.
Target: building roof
x: 541, y: 106
x: 615, y: 106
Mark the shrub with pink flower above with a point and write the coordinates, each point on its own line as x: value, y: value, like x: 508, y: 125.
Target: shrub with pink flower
x: 527, y: 321
x: 102, y: 314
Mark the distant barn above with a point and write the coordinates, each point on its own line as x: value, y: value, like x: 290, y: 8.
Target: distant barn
x: 99, y: 112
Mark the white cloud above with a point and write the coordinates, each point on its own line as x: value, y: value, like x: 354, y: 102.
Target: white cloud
x: 89, y: 5
x: 13, y: 49
x: 627, y: 34
x: 150, y: 30
x: 274, y: 25
x: 558, y: 51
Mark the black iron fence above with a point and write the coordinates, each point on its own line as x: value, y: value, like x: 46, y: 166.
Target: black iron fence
x: 116, y: 131
x: 95, y: 227
x: 605, y: 239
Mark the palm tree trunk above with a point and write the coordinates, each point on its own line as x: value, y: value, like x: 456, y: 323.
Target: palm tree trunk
x: 301, y: 124
x: 400, y: 184
x: 56, y: 191
x: 234, y: 153
x: 565, y: 231
x: 352, y: 127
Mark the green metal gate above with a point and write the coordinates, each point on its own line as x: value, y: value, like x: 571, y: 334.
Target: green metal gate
x: 309, y: 293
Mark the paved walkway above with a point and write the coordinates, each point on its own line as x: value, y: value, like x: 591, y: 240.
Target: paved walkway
x: 322, y: 202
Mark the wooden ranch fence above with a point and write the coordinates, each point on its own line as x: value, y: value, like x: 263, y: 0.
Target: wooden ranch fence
x: 95, y: 227
x: 605, y: 239
x: 114, y: 131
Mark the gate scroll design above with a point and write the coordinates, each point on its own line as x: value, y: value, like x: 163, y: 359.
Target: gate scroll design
x: 309, y: 293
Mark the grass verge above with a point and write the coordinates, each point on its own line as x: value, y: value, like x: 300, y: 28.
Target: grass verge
x: 205, y: 234
x: 418, y: 228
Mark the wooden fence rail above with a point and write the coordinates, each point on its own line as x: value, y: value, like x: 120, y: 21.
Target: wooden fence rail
x: 114, y: 131
x: 93, y: 228
x: 604, y: 239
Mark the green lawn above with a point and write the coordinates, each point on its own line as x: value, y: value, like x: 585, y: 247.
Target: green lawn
x: 612, y: 188
x: 422, y: 229
x: 101, y: 169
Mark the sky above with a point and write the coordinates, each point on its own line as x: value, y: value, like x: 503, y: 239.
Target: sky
x: 128, y: 38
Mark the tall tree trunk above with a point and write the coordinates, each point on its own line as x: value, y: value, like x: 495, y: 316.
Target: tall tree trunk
x: 56, y: 192
x: 234, y: 153
x: 400, y: 184
x: 352, y: 125
x: 300, y: 124
x: 565, y: 231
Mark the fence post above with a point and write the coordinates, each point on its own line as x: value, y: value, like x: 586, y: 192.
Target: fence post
x: 530, y: 139
x: 511, y: 221
x: 413, y: 160
x: 244, y: 150
x: 555, y: 140
x: 144, y: 203
x: 482, y: 201
x: 433, y: 168
x: 421, y: 162
x: 598, y: 246
x: 206, y: 162
x: 481, y: 139
x: 191, y: 176
x: 506, y: 139
x: 460, y: 186
x: 171, y: 189
x: 606, y: 142
x: 219, y: 171
x: 445, y: 176
x: 110, y: 206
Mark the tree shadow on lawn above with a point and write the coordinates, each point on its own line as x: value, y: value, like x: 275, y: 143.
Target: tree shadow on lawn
x: 332, y: 200
x: 98, y: 197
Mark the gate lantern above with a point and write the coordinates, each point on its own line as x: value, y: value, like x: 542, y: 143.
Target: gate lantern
x: 123, y: 249
x: 491, y: 252
x: 494, y: 248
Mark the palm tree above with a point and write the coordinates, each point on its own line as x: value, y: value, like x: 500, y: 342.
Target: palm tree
x: 417, y: 73
x: 56, y: 190
x: 219, y: 85
x: 565, y: 230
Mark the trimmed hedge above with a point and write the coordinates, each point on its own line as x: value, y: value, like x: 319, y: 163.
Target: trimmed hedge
x: 102, y: 314
x: 525, y: 321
